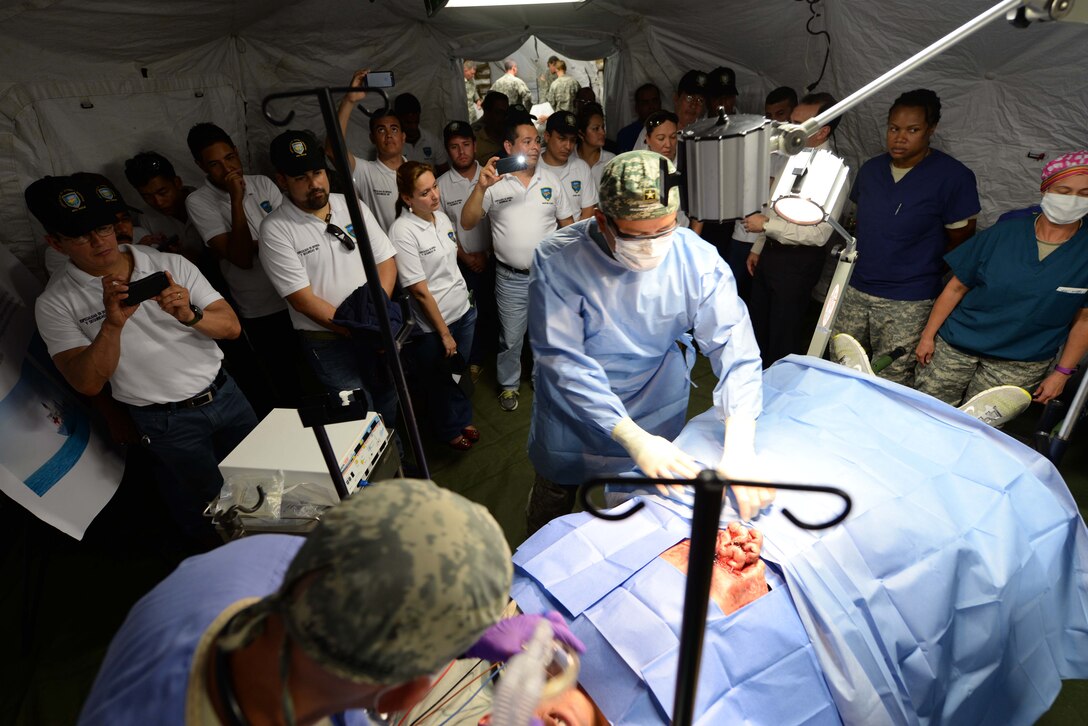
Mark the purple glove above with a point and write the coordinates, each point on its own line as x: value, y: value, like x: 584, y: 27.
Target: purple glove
x: 504, y: 639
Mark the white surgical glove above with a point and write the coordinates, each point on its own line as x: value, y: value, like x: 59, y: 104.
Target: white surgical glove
x: 738, y: 463
x: 657, y: 457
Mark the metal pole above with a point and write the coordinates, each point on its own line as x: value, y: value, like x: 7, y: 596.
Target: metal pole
x: 709, y: 490
x: 835, y: 291
x: 340, y: 159
x: 331, y: 462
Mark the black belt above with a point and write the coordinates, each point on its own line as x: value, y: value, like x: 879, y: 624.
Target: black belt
x: 201, y: 399
x: 505, y: 266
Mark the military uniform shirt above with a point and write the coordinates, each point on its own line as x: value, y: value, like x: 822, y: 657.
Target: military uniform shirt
x: 561, y: 93
x: 515, y: 89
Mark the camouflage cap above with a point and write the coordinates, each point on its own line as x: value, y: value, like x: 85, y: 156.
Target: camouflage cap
x: 631, y: 187
x: 396, y: 581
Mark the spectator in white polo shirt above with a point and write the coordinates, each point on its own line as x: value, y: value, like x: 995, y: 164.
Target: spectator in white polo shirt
x: 427, y: 266
x: 419, y: 143
x: 560, y: 140
x: 375, y: 181
x: 524, y: 207
x: 227, y: 210
x: 309, y: 249
x: 158, y: 356
x: 473, y: 245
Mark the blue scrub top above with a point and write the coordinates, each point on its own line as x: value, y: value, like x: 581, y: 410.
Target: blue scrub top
x: 901, y: 234
x: 1018, y: 308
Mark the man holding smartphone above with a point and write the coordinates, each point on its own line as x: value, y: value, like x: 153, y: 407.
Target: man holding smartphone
x: 159, y: 356
x: 524, y: 207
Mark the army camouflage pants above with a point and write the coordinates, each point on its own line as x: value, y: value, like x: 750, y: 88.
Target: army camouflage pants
x: 954, y: 376
x: 882, y: 325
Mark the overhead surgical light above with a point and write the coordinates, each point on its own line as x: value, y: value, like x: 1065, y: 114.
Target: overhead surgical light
x: 810, y: 188
x: 433, y: 6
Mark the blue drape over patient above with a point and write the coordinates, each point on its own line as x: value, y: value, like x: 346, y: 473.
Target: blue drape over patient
x: 956, y: 591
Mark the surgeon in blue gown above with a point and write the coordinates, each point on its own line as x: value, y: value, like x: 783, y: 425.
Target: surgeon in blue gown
x: 613, y: 303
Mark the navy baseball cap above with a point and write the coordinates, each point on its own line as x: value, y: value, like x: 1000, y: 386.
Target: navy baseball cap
x: 296, y: 152
x: 458, y: 128
x: 67, y: 205
x: 723, y: 82
x: 564, y: 122
x: 694, y: 82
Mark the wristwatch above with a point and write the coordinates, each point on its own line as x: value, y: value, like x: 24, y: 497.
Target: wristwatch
x: 198, y: 315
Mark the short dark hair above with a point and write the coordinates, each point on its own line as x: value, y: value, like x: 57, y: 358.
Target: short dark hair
x: 924, y: 99
x: 383, y: 113
x: 823, y: 101
x: 647, y: 87
x: 145, y: 166
x: 204, y: 135
x: 508, y: 64
x: 407, y: 103
x: 492, y: 98
x: 513, y: 125
x: 552, y: 59
x: 780, y: 94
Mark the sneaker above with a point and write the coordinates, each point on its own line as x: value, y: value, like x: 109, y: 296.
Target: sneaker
x: 474, y: 371
x: 847, y: 351
x: 508, y: 400
x: 998, y: 405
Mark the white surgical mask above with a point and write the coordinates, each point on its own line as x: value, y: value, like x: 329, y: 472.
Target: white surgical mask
x: 1064, y: 208
x: 640, y: 254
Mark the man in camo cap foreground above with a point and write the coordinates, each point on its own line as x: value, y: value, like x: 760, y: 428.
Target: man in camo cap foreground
x: 392, y: 584
x: 611, y: 301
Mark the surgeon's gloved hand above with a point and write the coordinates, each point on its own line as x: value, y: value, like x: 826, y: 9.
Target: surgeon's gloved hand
x: 738, y: 462
x: 657, y: 457
x: 504, y: 639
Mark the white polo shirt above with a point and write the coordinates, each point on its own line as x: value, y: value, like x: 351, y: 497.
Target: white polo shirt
x: 188, y: 235
x: 376, y: 185
x: 427, y: 251
x: 298, y: 252
x: 577, y: 180
x: 162, y: 361
x: 453, y: 190
x: 209, y: 210
x: 521, y: 217
x: 428, y: 150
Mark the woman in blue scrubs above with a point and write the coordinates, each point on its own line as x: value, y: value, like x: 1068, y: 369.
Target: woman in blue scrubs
x: 1018, y: 294
x: 914, y: 203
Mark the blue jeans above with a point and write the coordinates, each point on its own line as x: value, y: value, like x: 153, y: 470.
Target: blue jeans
x: 446, y: 406
x: 189, y: 443
x: 338, y: 364
x: 512, y: 298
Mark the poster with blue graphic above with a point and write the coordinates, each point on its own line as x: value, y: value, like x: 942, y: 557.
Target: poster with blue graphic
x: 52, y: 462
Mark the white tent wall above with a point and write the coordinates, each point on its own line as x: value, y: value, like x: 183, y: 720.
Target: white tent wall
x: 1006, y: 91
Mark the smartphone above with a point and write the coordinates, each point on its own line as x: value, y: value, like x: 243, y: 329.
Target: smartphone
x: 378, y: 79
x: 146, y: 288
x: 511, y: 163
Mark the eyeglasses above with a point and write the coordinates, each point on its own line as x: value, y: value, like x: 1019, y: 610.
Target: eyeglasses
x: 344, y: 237
x: 689, y: 98
x: 640, y: 237
x: 664, y: 118
x: 104, y: 232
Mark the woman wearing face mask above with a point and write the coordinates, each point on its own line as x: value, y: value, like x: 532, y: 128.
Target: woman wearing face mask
x: 427, y: 267
x: 1018, y: 293
x: 591, y: 140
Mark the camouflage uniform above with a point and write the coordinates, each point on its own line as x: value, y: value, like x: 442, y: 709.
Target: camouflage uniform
x: 392, y: 584
x: 631, y: 187
x: 561, y: 93
x: 472, y: 94
x: 952, y: 371
x: 515, y: 90
x: 881, y: 325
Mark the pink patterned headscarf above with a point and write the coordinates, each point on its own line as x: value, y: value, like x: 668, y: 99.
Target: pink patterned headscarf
x: 1075, y: 162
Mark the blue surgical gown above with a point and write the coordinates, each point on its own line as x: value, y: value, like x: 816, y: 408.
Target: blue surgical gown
x: 609, y: 342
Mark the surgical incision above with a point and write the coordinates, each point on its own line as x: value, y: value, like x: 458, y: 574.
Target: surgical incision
x: 739, y: 574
